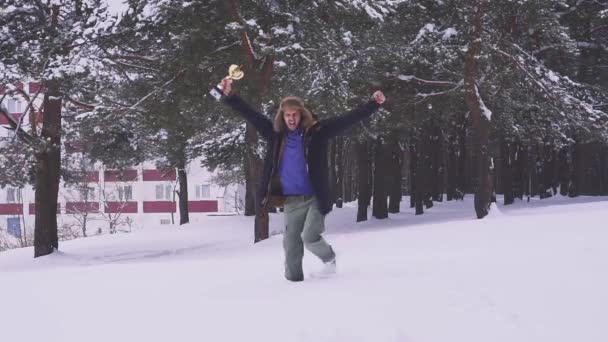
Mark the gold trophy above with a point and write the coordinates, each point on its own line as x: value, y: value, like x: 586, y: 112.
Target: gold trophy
x: 234, y: 73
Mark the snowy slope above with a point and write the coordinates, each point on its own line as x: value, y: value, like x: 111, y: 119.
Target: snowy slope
x: 535, y: 271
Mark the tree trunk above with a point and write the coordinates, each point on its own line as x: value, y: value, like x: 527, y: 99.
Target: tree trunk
x: 604, y: 170
x: 435, y: 148
x: 462, y: 162
x: 380, y: 208
x: 413, y: 168
x: 182, y: 177
x: 338, y: 171
x: 48, y: 167
x: 395, y: 174
x: 417, y: 181
x: 84, y: 223
x: 249, y: 187
x: 347, y: 182
x: 363, y: 165
x: 507, y: 171
x: 254, y: 168
x: 564, y: 171
x: 481, y: 123
x: 425, y: 170
x: 578, y: 170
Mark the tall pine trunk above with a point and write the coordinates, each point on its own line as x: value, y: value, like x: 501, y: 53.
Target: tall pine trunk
x: 394, y: 190
x: 481, y: 124
x: 380, y: 208
x: 48, y: 167
x: 564, y: 171
x: 182, y: 178
x: 507, y: 170
x: 417, y: 183
x: 363, y: 165
x: 261, y: 230
x: 250, y: 193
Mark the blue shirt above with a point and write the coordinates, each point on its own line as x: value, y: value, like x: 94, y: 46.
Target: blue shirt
x: 293, y: 170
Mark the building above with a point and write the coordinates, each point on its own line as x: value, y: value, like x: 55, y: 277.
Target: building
x: 124, y: 200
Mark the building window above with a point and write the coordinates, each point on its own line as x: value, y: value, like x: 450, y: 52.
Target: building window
x: 91, y: 193
x: 13, y: 225
x: 13, y: 195
x: 203, y: 191
x: 14, y: 106
x: 125, y: 193
x: 164, y: 192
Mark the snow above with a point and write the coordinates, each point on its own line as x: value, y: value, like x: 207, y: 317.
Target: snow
x: 280, y: 64
x: 347, y: 38
x: 529, y: 272
x: 405, y: 77
x: 484, y: 110
x: 449, y: 33
x: 423, y: 31
x: 552, y: 76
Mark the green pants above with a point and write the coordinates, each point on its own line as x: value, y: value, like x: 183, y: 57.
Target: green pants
x: 304, y: 225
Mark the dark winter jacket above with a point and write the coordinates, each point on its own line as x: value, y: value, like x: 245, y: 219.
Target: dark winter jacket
x: 316, y: 137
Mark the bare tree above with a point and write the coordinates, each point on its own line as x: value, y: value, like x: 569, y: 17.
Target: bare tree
x: 115, y: 202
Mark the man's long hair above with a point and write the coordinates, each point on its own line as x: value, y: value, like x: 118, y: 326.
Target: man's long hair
x: 296, y: 103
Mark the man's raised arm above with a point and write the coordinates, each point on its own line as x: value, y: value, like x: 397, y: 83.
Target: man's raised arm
x: 262, y: 124
x: 333, y: 126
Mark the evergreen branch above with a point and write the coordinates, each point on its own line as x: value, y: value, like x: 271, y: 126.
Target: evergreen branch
x: 179, y: 73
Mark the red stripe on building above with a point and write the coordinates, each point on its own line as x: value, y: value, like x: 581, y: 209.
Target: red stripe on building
x: 11, y: 209
x: 89, y: 176
x: 81, y: 207
x: 202, y: 206
x: 159, y: 207
x: 15, y: 116
x: 120, y: 176
x: 32, y: 208
x: 120, y: 207
x: 34, y: 87
x: 156, y: 175
x: 92, y: 176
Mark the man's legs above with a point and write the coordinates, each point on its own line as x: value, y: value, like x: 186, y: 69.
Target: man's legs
x: 295, y: 215
x: 314, y: 226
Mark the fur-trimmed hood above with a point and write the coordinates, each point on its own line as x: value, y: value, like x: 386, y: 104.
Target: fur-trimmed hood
x: 308, y: 119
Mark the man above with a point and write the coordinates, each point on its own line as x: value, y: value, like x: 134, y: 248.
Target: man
x: 295, y: 173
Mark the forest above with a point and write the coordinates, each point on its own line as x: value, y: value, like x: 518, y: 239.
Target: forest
x: 484, y: 98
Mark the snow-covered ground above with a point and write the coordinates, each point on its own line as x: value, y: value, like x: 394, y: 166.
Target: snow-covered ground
x: 533, y: 271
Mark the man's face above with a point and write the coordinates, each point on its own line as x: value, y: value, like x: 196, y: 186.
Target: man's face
x: 292, y: 118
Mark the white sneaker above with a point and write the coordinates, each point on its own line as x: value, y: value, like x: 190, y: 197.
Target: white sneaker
x: 328, y: 270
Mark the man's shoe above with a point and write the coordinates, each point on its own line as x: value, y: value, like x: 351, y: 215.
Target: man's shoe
x: 328, y: 270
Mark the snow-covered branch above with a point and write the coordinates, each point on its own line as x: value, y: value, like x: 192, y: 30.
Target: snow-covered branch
x: 80, y: 104
x: 425, y: 95
x: 23, y: 135
x: 522, y: 68
x: 135, y: 66
x: 413, y: 78
x: 179, y: 73
x: 585, y: 45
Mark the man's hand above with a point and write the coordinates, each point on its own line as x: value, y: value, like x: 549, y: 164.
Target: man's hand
x: 378, y: 96
x: 226, y: 86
